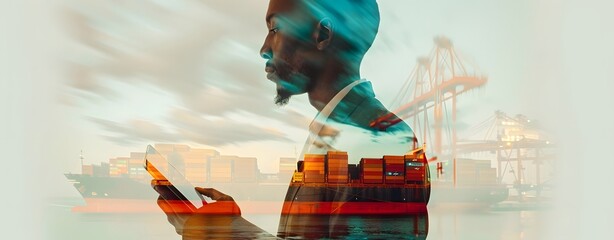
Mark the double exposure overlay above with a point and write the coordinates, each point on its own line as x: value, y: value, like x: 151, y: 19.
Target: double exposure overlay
x: 306, y: 119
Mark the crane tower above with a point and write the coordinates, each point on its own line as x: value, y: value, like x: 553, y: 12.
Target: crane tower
x: 435, y: 82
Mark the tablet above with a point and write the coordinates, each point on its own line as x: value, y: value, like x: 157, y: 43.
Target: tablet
x: 180, y: 192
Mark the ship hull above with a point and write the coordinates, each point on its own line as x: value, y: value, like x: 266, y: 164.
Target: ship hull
x: 112, y: 194
x: 359, y: 199
x: 354, y: 208
x: 111, y: 187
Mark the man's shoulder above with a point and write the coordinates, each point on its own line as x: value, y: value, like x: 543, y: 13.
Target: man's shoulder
x: 360, y: 139
x: 360, y: 108
x: 370, y: 110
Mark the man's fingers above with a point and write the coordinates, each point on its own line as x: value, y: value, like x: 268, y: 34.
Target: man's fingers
x: 214, y: 194
x: 210, y: 192
x: 155, y: 183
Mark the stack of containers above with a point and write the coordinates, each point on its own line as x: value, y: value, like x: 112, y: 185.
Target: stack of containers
x: 414, y: 168
x: 136, y: 170
x: 395, y: 169
x: 466, y: 172
x: 487, y: 176
x: 195, y: 162
x: 102, y: 170
x: 118, y: 167
x: 221, y: 169
x: 87, y: 170
x: 245, y: 170
x: 135, y: 166
x: 313, y: 169
x: 337, y: 167
x: 372, y: 170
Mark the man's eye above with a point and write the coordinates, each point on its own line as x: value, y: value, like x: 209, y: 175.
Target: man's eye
x: 274, y: 30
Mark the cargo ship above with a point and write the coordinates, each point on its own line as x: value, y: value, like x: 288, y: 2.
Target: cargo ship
x: 391, y: 185
x: 316, y: 183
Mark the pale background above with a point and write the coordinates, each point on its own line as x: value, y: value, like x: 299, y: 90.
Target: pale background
x: 153, y: 61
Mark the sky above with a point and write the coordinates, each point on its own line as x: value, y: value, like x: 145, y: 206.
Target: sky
x: 109, y: 77
x: 160, y: 72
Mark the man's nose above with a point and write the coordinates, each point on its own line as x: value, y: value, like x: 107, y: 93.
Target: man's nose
x: 265, y: 51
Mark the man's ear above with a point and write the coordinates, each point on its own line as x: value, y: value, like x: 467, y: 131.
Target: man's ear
x: 324, y: 33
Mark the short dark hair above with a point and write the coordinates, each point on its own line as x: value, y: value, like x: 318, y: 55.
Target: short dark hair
x: 356, y: 22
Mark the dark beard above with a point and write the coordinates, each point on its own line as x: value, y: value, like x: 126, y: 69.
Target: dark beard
x: 282, y: 98
x: 297, y: 82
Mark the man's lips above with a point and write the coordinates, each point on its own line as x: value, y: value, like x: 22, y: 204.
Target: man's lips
x: 270, y: 73
x: 269, y: 69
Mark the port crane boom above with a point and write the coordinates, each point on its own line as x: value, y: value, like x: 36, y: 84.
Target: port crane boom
x: 437, y: 79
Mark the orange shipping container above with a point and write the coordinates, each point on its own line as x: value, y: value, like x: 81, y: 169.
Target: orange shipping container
x: 313, y: 155
x: 319, y: 179
x: 372, y: 166
x: 312, y: 165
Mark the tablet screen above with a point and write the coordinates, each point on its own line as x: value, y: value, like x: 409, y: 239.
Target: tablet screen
x: 161, y: 169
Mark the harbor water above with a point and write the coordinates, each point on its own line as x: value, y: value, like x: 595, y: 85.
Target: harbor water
x: 440, y: 223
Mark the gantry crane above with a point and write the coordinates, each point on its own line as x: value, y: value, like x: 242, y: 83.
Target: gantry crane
x: 436, y: 80
x: 435, y: 84
x: 513, y: 139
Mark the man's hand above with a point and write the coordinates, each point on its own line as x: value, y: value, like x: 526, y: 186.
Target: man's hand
x: 220, y: 220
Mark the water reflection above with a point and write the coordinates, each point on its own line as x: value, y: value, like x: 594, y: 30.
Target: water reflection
x: 311, y: 227
x: 440, y: 223
x: 211, y: 223
x: 413, y: 226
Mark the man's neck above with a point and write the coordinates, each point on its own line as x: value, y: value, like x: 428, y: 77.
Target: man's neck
x: 329, y: 84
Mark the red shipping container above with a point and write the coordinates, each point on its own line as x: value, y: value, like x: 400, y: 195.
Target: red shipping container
x: 338, y: 180
x: 395, y: 168
x: 394, y: 179
x: 378, y: 180
x: 393, y: 158
x: 414, y: 171
x: 371, y: 160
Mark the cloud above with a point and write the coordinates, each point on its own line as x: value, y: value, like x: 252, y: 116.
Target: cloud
x: 202, y: 53
x: 134, y: 132
x: 220, y: 131
x: 166, y: 50
x: 296, y: 119
x: 188, y: 126
x: 173, y: 47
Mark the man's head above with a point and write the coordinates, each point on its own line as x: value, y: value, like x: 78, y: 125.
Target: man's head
x: 308, y: 38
